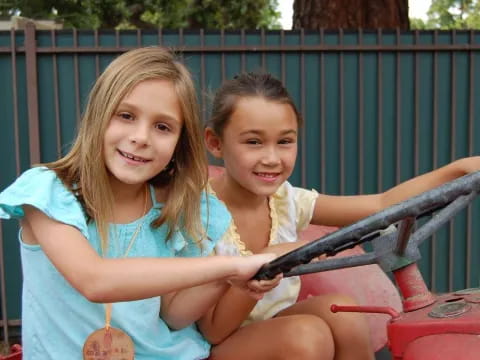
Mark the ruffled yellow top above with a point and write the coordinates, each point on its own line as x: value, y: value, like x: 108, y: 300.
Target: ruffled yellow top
x: 291, y: 210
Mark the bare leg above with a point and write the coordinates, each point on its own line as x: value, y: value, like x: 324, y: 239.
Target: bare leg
x: 302, y: 337
x: 350, y: 330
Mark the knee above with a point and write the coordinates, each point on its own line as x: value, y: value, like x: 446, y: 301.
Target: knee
x: 306, y: 337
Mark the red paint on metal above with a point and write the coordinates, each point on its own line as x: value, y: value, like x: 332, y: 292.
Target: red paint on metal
x: 366, y: 309
x: 411, y: 326
x: 444, y: 347
x: 414, y: 292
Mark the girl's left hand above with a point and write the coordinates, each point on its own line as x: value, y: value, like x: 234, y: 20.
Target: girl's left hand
x: 256, y: 289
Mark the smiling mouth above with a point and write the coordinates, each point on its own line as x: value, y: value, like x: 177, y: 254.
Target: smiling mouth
x: 132, y: 157
x: 267, y: 175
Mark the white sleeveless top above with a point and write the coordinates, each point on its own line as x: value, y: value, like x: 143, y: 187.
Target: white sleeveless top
x: 291, y: 210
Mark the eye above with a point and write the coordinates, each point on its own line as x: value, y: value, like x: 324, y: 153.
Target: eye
x: 286, y: 141
x: 125, y: 116
x: 162, y: 127
x: 253, y: 142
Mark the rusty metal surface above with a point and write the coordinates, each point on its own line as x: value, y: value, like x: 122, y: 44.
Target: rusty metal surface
x: 32, y: 93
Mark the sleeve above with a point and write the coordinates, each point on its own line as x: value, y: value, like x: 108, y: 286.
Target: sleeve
x: 42, y: 189
x: 304, y: 206
x: 216, y: 220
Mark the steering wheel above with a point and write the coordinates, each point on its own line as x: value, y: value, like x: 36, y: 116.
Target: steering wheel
x: 394, y: 247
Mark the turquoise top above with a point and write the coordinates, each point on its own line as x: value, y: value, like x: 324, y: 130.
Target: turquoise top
x: 56, y: 318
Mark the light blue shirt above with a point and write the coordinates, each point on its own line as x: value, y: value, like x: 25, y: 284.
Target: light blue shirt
x: 57, y: 319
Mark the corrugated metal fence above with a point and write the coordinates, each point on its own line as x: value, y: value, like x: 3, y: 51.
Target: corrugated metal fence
x: 380, y: 107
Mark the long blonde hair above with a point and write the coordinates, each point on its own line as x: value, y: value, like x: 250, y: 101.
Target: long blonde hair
x: 83, y: 169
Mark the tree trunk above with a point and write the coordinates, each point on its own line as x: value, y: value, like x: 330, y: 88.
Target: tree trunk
x: 350, y: 14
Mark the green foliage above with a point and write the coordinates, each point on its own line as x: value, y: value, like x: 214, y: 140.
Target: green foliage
x: 132, y: 14
x: 418, y: 24
x: 450, y: 14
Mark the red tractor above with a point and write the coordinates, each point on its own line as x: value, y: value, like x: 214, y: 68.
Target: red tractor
x: 430, y: 327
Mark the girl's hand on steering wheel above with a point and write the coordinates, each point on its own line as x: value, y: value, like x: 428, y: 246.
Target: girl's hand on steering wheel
x: 256, y: 289
x: 247, y: 266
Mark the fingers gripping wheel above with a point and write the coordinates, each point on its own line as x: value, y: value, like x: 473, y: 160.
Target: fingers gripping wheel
x: 447, y: 199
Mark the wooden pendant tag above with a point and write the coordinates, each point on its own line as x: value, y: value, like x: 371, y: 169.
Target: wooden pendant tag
x: 108, y: 344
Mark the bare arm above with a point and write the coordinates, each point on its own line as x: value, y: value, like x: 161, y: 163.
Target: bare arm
x: 182, y: 308
x: 227, y: 315
x: 344, y: 210
x: 112, y: 280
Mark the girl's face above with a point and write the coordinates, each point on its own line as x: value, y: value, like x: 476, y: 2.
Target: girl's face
x: 142, y: 134
x: 259, y: 144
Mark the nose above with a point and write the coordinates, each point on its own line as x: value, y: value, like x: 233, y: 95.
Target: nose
x: 139, y: 133
x: 271, y: 156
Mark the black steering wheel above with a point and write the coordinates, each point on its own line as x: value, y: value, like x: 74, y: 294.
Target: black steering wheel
x: 393, y: 248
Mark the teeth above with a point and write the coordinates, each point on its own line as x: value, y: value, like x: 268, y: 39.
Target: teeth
x: 267, y: 175
x: 132, y: 157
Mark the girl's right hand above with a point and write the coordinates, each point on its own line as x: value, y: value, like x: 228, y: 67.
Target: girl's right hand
x: 247, y: 266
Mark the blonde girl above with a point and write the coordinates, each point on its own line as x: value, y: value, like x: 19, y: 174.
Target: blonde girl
x: 103, y: 224
x: 254, y: 129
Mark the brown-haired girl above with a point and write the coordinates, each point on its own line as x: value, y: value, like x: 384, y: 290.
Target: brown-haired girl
x: 102, y: 225
x: 254, y: 129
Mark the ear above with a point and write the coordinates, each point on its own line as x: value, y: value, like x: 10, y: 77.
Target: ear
x: 213, y: 143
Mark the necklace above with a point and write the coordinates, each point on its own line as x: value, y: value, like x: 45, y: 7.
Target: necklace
x: 109, y: 342
x: 137, y: 229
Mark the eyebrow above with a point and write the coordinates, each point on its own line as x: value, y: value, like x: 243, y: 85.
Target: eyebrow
x: 133, y: 107
x: 261, y: 132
